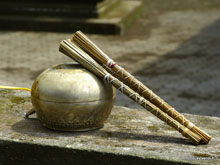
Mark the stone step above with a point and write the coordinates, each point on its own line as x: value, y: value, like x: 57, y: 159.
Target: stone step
x: 58, y: 9
x: 113, y: 19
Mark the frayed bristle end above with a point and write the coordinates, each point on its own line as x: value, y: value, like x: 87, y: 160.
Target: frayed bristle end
x: 195, y: 138
x: 204, y: 136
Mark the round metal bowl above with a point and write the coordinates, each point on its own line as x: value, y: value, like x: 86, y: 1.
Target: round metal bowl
x: 68, y: 97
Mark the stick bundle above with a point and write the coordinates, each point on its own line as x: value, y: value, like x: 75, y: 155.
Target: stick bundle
x: 73, y: 51
x: 86, y: 44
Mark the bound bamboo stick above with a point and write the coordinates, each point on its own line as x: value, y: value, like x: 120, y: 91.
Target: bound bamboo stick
x: 86, y: 44
x: 73, y: 51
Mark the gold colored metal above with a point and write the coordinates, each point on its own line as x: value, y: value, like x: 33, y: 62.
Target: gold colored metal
x: 68, y: 97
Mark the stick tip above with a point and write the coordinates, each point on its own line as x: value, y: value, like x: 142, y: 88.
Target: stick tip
x: 195, y: 138
x: 204, y: 136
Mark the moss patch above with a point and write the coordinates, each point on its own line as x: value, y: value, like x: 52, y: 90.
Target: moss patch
x: 153, y: 128
x: 17, y: 100
x: 8, y: 99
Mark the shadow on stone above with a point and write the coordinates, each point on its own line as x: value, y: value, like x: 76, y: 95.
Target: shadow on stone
x: 148, y: 138
x: 33, y: 127
x: 190, y: 72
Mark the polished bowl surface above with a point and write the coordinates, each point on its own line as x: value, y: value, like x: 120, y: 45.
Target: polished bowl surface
x: 68, y: 97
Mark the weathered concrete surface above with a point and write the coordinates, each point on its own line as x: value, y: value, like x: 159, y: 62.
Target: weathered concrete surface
x: 130, y: 136
x: 173, y: 48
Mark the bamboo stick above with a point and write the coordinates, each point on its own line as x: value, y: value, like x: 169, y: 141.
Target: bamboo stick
x: 73, y: 51
x: 86, y: 44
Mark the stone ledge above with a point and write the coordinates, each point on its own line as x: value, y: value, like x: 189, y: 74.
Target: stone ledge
x: 114, y: 20
x: 130, y: 136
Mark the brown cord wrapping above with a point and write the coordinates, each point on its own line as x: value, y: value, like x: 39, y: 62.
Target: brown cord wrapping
x: 71, y: 50
x: 87, y: 45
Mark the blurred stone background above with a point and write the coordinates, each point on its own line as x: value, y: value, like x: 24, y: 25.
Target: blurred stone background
x: 173, y: 48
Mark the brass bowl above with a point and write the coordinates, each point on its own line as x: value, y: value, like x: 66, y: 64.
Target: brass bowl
x: 68, y: 97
